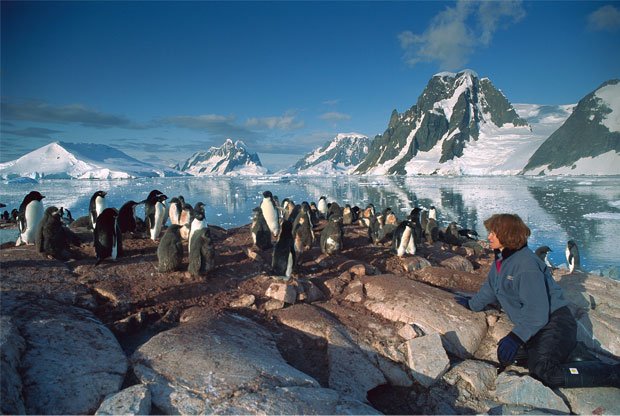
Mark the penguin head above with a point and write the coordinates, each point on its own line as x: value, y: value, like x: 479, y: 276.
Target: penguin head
x: 161, y: 198
x: 34, y: 196
x: 570, y: 244
x: 267, y: 194
x: 102, y: 194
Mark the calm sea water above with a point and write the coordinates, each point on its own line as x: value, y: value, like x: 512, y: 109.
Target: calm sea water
x: 584, y: 209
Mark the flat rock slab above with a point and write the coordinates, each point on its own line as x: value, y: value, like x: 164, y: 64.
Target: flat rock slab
x: 71, y: 360
x: 527, y: 391
x: 433, y: 310
x: 589, y: 401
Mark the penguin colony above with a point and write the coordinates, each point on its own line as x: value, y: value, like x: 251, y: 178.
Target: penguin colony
x: 289, y: 230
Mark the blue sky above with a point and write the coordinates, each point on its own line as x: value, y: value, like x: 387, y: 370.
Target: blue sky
x: 161, y: 80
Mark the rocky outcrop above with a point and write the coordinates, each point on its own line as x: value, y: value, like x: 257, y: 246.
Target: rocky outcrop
x: 70, y: 360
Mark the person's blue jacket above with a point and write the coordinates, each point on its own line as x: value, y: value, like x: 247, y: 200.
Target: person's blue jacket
x: 525, y: 290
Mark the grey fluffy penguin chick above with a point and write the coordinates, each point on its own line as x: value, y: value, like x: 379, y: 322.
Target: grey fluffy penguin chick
x: 201, y: 253
x: 170, y: 250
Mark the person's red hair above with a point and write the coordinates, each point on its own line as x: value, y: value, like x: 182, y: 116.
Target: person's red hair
x: 509, y: 229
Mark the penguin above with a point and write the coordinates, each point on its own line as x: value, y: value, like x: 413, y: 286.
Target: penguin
x: 451, y: 236
x: 375, y: 230
x: 404, y: 239
x: 389, y: 217
x: 52, y: 237
x: 14, y: 215
x: 176, y: 207
x: 303, y: 236
x: 347, y: 215
x: 198, y: 222
x: 127, y: 217
x: 322, y: 207
x: 155, y: 210
x: 270, y: 213
x: 368, y: 212
x: 283, y: 257
x: 314, y: 214
x: 107, y: 236
x: 287, y: 209
x: 334, y: 209
x: 261, y: 235
x: 572, y: 256
x: 355, y: 214
x: 468, y: 233
x: 28, y: 218
x: 423, y: 219
x: 432, y: 231
x: 170, y: 250
x: 542, y: 252
x: 185, y: 220
x: 67, y: 218
x: 5, y: 216
x: 332, y: 236
x: 432, y: 213
x: 201, y: 252
x: 415, y: 216
x: 96, y: 206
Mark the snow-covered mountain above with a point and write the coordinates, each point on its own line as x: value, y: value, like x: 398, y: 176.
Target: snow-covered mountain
x: 62, y: 160
x: 461, y: 124
x: 341, y: 155
x: 588, y: 143
x: 229, y: 159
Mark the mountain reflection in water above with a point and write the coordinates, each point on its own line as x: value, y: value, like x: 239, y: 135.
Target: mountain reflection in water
x: 584, y: 209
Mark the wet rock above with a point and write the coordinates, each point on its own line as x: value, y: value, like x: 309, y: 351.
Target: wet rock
x: 71, y: 359
x: 210, y: 364
x: 427, y: 359
x: 516, y: 390
x: 134, y: 400
x: 12, y: 345
x: 433, y: 310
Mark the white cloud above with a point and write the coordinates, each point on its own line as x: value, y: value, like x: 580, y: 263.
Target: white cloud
x: 451, y: 37
x: 286, y: 122
x: 334, y: 116
x: 605, y: 18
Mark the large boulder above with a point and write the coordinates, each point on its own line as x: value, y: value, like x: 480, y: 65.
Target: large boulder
x: 513, y: 389
x: 594, y: 303
x: 210, y: 363
x: 433, y: 310
x: 71, y: 361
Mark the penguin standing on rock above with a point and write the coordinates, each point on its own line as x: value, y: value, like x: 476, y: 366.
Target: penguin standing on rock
x: 404, y: 240
x: 127, y: 217
x: 155, y: 211
x: 201, y: 252
x: 347, y: 215
x: 176, y: 207
x: 170, y: 250
x: 332, y: 236
x: 432, y: 231
x: 322, y: 207
x: 302, y: 235
x: 283, y: 258
x: 572, y: 256
x: 96, y: 206
x: 107, y: 236
x: 198, y: 222
x: 270, y: 213
x: 261, y: 235
x: 28, y: 218
x: 542, y: 253
x: 52, y: 237
x: 185, y: 220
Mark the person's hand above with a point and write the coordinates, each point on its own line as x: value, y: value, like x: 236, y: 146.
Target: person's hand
x: 507, y: 348
x: 463, y: 301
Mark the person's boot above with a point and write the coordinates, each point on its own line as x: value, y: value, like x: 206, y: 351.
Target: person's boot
x: 591, y: 374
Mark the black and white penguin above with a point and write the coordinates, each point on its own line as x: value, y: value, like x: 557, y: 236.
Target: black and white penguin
x: 67, y: 218
x: 96, y: 206
x: 51, y: 238
x: 5, y: 216
x: 334, y: 209
x: 261, y: 234
x: 302, y: 235
x: 127, y: 217
x: 415, y: 216
x: 175, y: 208
x: 375, y: 230
x: 572, y: 256
x: 28, y: 218
x: 185, y: 221
x: 170, y: 250
x: 314, y: 214
x: 332, y: 236
x: 542, y: 252
x: 155, y: 210
x: 451, y: 236
x: 404, y: 239
x: 365, y: 215
x: 283, y: 258
x: 432, y: 213
x: 201, y: 252
x: 432, y: 231
x: 270, y: 213
x: 107, y: 236
x: 347, y: 215
x: 468, y: 233
x: 423, y: 219
x: 288, y: 206
x: 322, y: 207
x: 198, y: 221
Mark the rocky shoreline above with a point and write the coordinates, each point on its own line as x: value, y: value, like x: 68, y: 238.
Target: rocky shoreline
x: 360, y: 332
